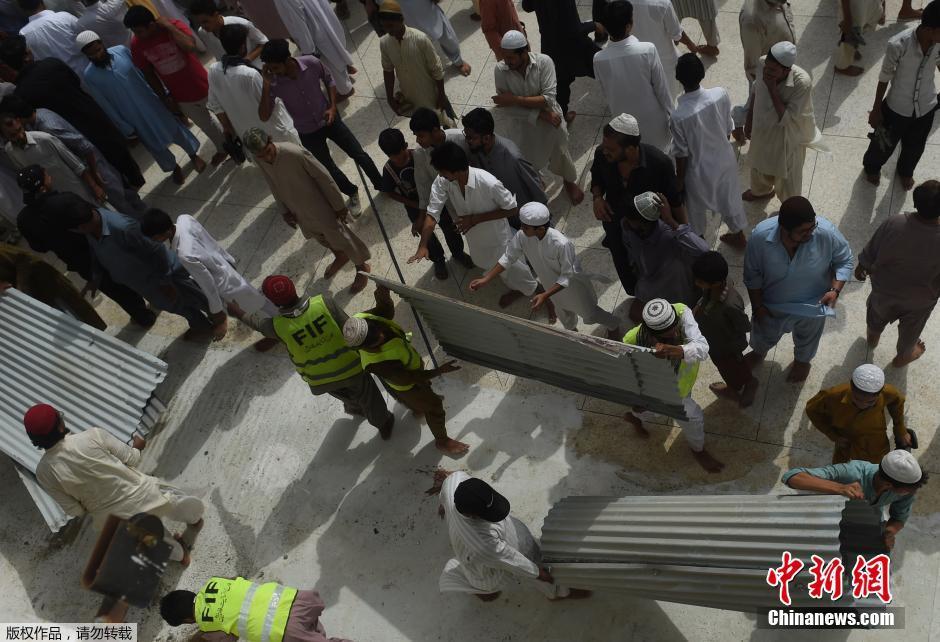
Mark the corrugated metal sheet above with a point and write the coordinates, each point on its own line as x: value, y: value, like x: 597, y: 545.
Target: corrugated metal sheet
x: 584, y: 364
x: 96, y: 380
x: 710, y: 551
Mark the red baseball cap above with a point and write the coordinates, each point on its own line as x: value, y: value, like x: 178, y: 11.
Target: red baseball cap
x: 279, y: 289
x: 41, y: 419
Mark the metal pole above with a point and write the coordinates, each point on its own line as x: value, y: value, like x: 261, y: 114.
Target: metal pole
x: 391, y: 253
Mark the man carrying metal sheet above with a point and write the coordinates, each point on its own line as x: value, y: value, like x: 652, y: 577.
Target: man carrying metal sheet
x: 890, y: 485
x: 490, y: 546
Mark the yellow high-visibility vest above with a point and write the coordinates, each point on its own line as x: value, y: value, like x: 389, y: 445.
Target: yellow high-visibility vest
x: 397, y: 349
x: 688, y: 372
x: 316, y: 345
x: 250, y: 611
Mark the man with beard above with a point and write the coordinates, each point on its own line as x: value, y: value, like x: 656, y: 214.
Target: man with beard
x: 671, y: 332
x: 121, y: 90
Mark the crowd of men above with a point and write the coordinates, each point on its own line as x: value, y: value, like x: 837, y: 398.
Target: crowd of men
x: 84, y: 84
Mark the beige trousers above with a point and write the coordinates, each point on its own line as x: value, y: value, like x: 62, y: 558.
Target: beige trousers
x: 560, y: 163
x: 792, y: 185
x: 179, y: 508
x: 199, y: 114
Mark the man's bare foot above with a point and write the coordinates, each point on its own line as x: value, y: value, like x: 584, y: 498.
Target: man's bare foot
x: 352, y: 71
x: 575, y: 193
x: 550, y: 311
x: 475, y: 16
x: 909, y: 13
x: 265, y: 344
x: 798, y: 372
x: 187, y: 558
x: 919, y: 349
x: 738, y: 135
x: 637, y: 424
x: 872, y: 338
x: 385, y: 430
x: 339, y: 260
x: 750, y: 196
x: 748, y: 393
x: 737, y: 240
x: 178, y: 177
x: 487, y: 597
x: 907, y: 182
x: 754, y: 359
x: 874, y: 179
x: 451, y: 447
x: 721, y: 389
x: 851, y: 70
x: 709, y: 50
x: 570, y: 116
x: 508, y: 298
x: 706, y: 461
x: 361, y: 281
x: 464, y: 69
x: 199, y: 165
x: 218, y: 158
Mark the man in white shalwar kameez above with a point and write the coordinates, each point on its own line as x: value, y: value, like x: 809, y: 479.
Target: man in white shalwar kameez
x: 313, y: 25
x: 763, y: 24
x: 855, y: 18
x: 552, y: 255
x: 213, y: 270
x: 93, y: 472
x: 482, y: 206
x: 632, y: 77
x: 491, y: 547
x: 656, y: 21
x: 525, y: 90
x: 706, y: 164
x: 781, y: 125
x: 427, y: 16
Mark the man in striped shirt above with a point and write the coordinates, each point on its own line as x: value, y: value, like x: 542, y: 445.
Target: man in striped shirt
x: 490, y: 546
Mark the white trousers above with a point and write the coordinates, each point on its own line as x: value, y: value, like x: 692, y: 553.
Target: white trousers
x: 693, y: 430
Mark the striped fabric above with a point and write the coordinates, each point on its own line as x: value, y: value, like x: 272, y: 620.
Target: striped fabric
x: 698, y: 9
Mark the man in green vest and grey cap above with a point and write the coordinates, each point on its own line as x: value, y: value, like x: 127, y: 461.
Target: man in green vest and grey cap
x: 239, y: 609
x: 671, y: 331
x: 312, y: 331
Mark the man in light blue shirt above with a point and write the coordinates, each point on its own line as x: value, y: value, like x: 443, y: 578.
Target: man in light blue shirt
x: 891, y: 484
x: 795, y: 267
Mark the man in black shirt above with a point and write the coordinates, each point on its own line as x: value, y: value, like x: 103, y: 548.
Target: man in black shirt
x: 52, y: 84
x: 624, y: 167
x: 565, y: 40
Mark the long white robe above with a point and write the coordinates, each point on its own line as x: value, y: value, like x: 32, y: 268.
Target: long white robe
x: 554, y: 260
x: 315, y: 28
x: 762, y: 26
x: 236, y: 91
x: 632, y: 77
x: 656, y: 21
x: 486, y: 241
x: 700, y: 127
x: 213, y: 270
x: 486, y: 554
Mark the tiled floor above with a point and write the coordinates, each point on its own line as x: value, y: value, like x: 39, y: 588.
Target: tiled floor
x: 297, y: 493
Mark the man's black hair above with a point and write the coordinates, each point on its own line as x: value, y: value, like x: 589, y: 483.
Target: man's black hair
x: 203, y: 8
x: 927, y: 199
x: 138, y: 16
x: 178, y: 606
x: 155, y: 221
x: 13, y: 51
x: 29, y: 6
x: 795, y: 211
x: 392, y: 141
x: 689, y: 70
x: 930, y: 18
x: 276, y: 51
x: 424, y: 120
x: 710, y: 267
x: 16, y: 106
x: 479, y: 120
x: 234, y: 39
x: 449, y: 157
x: 617, y: 17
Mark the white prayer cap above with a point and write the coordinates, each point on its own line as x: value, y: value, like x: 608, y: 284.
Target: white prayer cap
x: 513, y: 40
x: 85, y: 38
x: 658, y: 315
x: 869, y: 378
x: 355, y: 331
x: 625, y: 124
x: 901, y: 466
x: 784, y: 53
x: 534, y: 213
x: 648, y: 204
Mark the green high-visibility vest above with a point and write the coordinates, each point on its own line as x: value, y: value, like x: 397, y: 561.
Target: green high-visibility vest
x: 398, y: 348
x: 316, y: 346
x: 250, y: 611
x: 688, y: 372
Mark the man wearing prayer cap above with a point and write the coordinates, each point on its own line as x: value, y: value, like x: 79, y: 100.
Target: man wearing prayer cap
x: 852, y: 416
x: 490, y: 546
x: 887, y: 486
x: 385, y: 351
x: 624, y: 167
x: 311, y: 329
x: 525, y: 92
x: 94, y: 472
x: 553, y: 257
x: 670, y: 331
x: 780, y: 124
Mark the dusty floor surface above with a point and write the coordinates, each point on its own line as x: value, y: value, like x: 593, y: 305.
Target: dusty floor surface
x: 299, y: 493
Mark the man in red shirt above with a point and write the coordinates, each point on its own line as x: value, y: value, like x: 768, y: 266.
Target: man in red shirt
x: 163, y: 50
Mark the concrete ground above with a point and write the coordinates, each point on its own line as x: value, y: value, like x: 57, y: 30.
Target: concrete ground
x: 300, y: 493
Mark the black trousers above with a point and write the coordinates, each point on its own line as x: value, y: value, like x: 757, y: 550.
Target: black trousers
x: 340, y: 134
x: 435, y: 249
x: 910, y: 132
x: 613, y: 236
x: 452, y: 237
